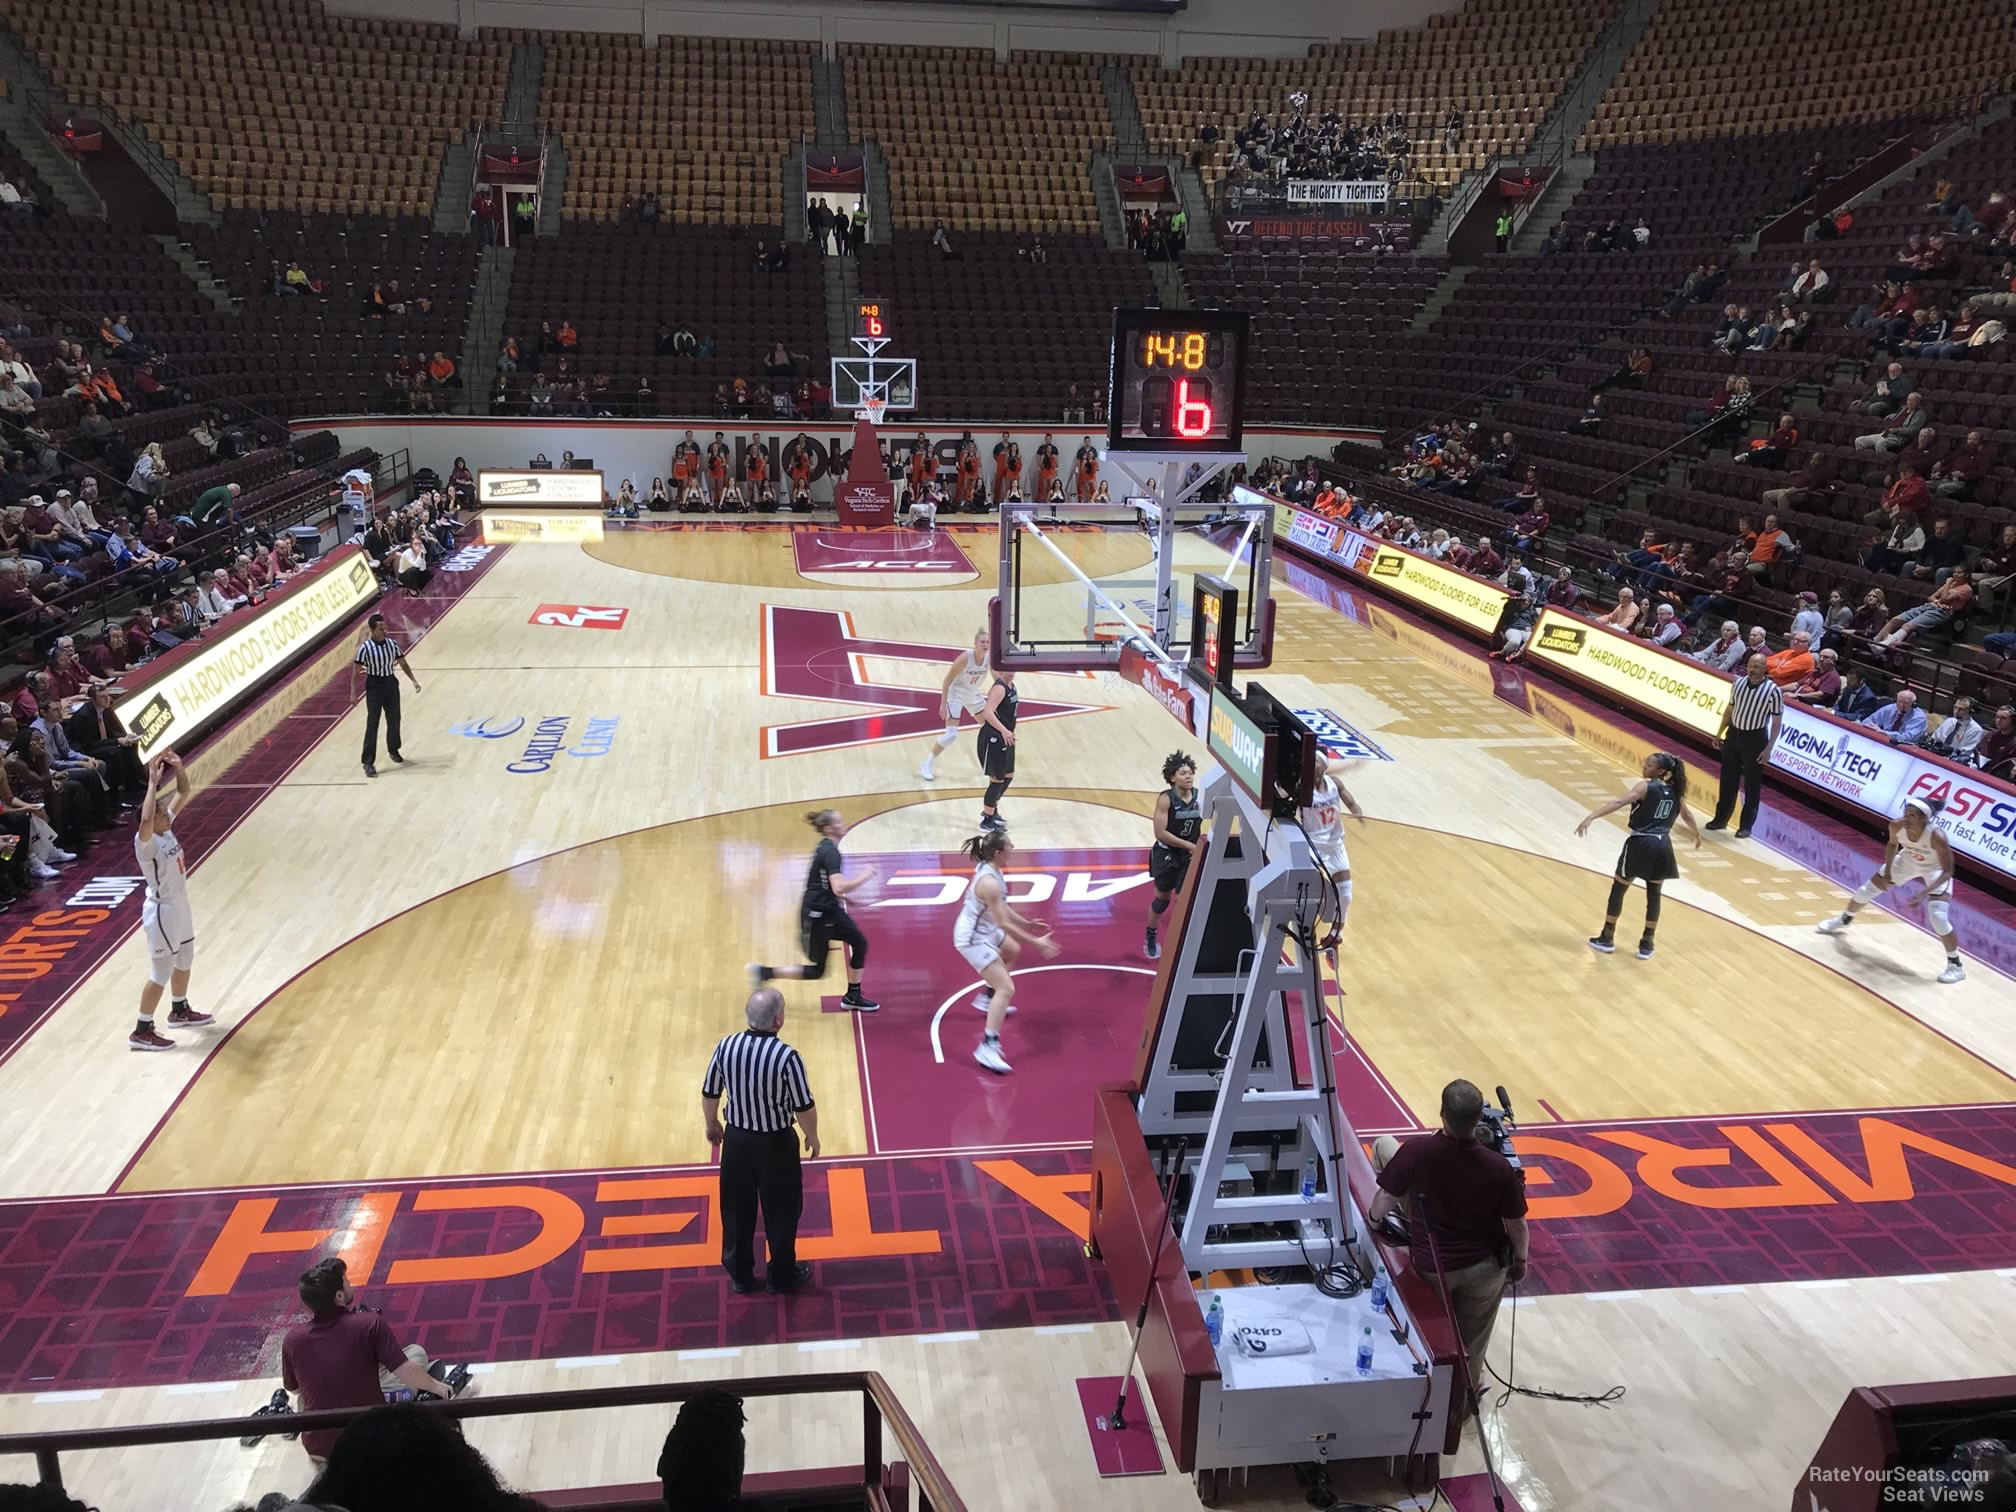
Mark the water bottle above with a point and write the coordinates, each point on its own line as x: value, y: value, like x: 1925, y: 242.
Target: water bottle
x: 1365, y: 1353
x: 1309, y: 1179
x: 1214, y: 1321
x: 1378, y: 1288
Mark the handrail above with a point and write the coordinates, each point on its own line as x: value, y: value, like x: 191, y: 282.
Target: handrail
x: 132, y: 138
x: 879, y: 1407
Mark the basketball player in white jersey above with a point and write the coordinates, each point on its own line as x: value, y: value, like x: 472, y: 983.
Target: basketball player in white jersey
x: 1323, y: 823
x: 990, y: 935
x: 1918, y: 851
x: 165, y: 919
x: 964, y: 692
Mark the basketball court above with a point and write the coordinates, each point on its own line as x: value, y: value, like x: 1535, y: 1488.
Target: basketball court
x: 464, y: 1010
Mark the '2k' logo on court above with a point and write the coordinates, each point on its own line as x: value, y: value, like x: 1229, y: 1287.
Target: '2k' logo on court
x: 815, y: 654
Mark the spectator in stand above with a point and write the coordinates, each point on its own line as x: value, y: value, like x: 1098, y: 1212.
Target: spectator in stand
x: 1807, y: 619
x: 1789, y: 668
x: 217, y: 598
x: 149, y: 478
x: 1813, y: 285
x: 1958, y: 736
x: 1949, y: 601
x: 1838, y: 614
x: 1663, y: 629
x: 1905, y: 540
x: 1772, y: 450
x: 1808, y: 488
x: 1997, y: 751
x: 1943, y: 552
x: 1562, y: 592
x: 405, y: 1457
x: 1482, y: 561
x: 1901, y: 427
x: 1623, y: 615
x: 1955, y: 475
x: 1901, y: 719
x: 1529, y: 527
x: 1905, y: 499
x: 97, y: 732
x: 1727, y: 651
x: 1856, y: 699
x: 1773, y: 546
x: 20, y: 603
x: 1820, y: 686
x: 1592, y: 417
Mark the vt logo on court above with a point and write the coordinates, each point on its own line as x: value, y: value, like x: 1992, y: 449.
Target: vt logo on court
x: 815, y: 654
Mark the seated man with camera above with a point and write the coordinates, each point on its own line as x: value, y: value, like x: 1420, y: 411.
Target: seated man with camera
x: 345, y: 1355
x: 1466, y: 1207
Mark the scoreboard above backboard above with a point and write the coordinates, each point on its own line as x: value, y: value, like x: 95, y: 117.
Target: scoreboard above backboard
x: 1177, y: 380
x: 871, y: 319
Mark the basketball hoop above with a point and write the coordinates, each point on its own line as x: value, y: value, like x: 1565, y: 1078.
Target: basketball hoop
x: 872, y: 410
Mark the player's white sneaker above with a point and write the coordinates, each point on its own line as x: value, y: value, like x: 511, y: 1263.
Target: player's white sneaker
x: 41, y: 871
x: 1954, y: 972
x: 1832, y: 926
x: 988, y: 1053
x: 925, y: 771
x: 61, y: 856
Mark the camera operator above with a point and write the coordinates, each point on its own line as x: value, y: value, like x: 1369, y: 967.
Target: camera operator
x: 1465, y: 1196
x: 344, y: 1355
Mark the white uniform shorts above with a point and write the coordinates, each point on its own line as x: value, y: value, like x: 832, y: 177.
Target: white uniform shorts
x: 980, y: 954
x: 956, y: 707
x: 171, y: 941
x: 1334, y: 856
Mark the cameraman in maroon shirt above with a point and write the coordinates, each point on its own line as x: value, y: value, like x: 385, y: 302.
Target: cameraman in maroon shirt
x: 334, y: 1359
x: 1467, y: 1199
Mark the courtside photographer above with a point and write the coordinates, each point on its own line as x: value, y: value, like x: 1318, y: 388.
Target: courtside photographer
x: 1465, y: 1200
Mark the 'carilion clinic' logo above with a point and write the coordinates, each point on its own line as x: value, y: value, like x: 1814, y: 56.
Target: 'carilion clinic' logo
x: 549, y: 740
x: 489, y: 729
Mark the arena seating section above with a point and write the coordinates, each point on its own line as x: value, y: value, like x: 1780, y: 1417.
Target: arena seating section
x: 1502, y: 61
x: 703, y: 123
x: 998, y: 335
x: 980, y: 144
x: 615, y: 282
x: 1708, y: 69
x: 276, y: 102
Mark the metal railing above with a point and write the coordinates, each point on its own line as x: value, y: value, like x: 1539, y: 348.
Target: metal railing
x: 880, y: 1411
x: 50, y: 108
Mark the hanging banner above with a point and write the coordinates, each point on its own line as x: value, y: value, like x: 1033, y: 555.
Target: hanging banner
x: 1337, y: 191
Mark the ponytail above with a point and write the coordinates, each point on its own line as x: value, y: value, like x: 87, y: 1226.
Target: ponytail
x: 1176, y: 762
x: 820, y: 818
x: 1676, y: 774
x: 985, y: 846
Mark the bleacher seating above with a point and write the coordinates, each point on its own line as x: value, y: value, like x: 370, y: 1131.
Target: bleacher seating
x: 1502, y: 61
x: 1707, y: 69
x: 616, y: 281
x: 996, y: 335
x: 276, y: 103
x: 981, y: 144
x: 702, y: 122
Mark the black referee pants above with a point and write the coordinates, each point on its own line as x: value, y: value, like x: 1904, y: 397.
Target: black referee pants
x: 1743, y: 756
x: 381, y: 700
x: 761, y: 1168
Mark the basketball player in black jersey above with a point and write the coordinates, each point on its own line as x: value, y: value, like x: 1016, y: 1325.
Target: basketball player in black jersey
x: 1179, y: 820
x: 823, y: 920
x: 1655, y: 804
x: 997, y: 746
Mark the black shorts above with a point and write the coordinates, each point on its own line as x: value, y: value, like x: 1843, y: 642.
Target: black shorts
x: 1167, y: 869
x: 1647, y: 858
x: 997, y: 757
x: 817, y: 936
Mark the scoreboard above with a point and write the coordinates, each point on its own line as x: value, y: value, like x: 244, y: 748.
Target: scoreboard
x: 1177, y: 380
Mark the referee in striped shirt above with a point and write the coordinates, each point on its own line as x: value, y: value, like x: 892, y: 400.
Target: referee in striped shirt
x: 1749, y: 729
x: 379, y: 655
x: 767, y: 1091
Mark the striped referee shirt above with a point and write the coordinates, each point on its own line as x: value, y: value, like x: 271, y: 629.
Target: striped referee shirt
x: 377, y: 657
x: 764, y: 1080
x: 1753, y: 705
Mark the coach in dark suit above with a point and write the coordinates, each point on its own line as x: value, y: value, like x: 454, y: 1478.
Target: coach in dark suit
x: 767, y: 1094
x: 97, y: 732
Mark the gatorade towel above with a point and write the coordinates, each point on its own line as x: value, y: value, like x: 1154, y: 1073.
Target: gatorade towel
x: 1272, y: 1336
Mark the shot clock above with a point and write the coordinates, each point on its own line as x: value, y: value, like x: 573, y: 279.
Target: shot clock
x: 1177, y: 380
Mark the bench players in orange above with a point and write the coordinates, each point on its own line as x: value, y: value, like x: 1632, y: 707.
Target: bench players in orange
x: 1007, y: 464
x: 969, y: 473
x: 1046, y: 467
x: 1088, y: 471
x: 717, y: 468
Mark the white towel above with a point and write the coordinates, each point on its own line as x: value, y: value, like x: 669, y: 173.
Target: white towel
x: 1272, y: 1336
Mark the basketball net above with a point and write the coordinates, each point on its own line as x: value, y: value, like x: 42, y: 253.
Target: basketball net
x: 872, y: 410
